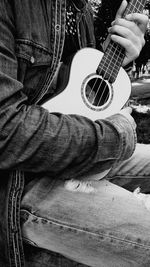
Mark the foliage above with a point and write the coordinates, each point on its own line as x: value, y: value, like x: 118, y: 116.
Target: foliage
x: 143, y: 129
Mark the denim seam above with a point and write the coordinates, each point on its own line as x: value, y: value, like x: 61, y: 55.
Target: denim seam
x: 24, y: 56
x: 31, y: 43
x: 27, y: 240
x: 63, y: 225
x: 56, y: 53
x: 16, y: 253
x: 27, y: 59
x: 128, y: 176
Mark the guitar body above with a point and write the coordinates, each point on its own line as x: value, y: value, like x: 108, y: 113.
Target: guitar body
x: 89, y: 94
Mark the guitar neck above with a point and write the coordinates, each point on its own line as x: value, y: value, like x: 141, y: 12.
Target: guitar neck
x: 135, y: 6
x: 114, y: 54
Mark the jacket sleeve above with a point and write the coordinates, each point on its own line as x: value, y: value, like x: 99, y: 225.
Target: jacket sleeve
x: 32, y: 139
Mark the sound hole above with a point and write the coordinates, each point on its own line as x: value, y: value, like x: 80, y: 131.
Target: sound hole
x: 97, y: 91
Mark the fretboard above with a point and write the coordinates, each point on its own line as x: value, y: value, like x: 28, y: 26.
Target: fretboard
x: 114, y: 54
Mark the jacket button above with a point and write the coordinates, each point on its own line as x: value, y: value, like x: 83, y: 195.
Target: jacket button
x: 32, y: 59
x: 57, y: 27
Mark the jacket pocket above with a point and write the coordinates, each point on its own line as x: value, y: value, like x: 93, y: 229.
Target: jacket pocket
x: 34, y: 63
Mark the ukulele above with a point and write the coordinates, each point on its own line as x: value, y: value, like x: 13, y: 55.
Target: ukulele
x: 95, y: 85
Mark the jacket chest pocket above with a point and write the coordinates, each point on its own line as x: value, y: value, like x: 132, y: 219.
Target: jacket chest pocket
x: 34, y: 64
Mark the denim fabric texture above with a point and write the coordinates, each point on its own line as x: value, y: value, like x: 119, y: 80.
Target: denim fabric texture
x: 94, y: 222
x: 53, y: 142
x: 31, y: 139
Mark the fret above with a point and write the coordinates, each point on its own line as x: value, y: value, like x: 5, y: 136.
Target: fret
x: 108, y: 63
x: 133, y: 10
x: 112, y: 58
x: 134, y: 6
x: 108, y: 73
x: 114, y: 55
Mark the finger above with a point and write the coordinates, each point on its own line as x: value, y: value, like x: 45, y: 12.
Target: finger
x: 122, y: 31
x: 128, y: 45
x: 130, y: 24
x: 123, y: 22
x: 133, y: 21
x: 133, y: 36
x: 121, y: 9
x: 140, y: 19
x: 129, y: 30
x: 128, y: 110
x: 127, y: 25
x: 127, y: 113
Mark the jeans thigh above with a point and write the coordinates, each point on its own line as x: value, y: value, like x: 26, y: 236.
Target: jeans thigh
x: 95, y: 223
x: 134, y: 172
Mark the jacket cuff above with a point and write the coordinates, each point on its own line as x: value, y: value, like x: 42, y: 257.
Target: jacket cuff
x: 127, y: 134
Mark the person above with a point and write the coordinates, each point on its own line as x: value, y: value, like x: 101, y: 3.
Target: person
x: 50, y: 163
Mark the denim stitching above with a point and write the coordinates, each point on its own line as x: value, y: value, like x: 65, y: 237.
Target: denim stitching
x: 75, y: 229
x: 14, y: 233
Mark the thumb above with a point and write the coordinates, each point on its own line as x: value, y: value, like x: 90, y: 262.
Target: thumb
x: 121, y: 9
x: 128, y: 110
x: 127, y: 113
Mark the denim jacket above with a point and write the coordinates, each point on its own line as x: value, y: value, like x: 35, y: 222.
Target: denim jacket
x: 32, y: 140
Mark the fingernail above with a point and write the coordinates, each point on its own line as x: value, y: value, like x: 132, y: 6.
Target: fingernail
x: 113, y: 22
x: 128, y: 16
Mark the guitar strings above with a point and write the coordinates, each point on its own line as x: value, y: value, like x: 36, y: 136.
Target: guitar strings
x: 104, y: 76
x: 119, y: 54
x: 103, y: 79
x: 108, y: 77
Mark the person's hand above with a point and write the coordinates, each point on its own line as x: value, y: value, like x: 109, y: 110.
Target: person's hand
x: 128, y: 32
x: 127, y: 113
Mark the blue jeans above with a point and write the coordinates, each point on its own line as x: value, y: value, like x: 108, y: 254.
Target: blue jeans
x: 97, y: 222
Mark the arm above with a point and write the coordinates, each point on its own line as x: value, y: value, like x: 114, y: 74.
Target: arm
x: 34, y: 140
